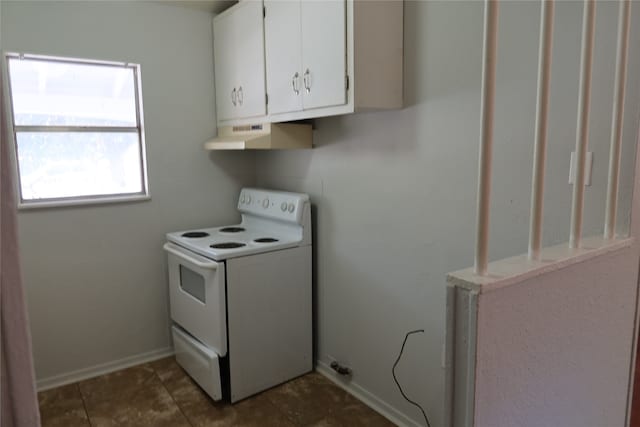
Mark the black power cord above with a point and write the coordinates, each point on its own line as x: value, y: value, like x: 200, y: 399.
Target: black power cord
x: 393, y: 372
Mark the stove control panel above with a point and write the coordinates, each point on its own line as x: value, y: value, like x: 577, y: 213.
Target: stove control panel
x: 278, y: 205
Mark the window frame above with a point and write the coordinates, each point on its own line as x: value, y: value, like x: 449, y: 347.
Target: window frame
x: 89, y: 199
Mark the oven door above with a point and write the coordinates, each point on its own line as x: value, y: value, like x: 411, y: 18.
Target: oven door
x: 197, y: 296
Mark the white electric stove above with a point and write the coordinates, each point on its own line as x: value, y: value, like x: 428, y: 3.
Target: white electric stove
x: 240, y: 296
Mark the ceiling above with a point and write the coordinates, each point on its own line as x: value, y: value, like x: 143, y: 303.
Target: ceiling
x: 214, y: 6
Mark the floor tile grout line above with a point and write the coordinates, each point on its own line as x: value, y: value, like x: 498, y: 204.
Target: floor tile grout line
x: 270, y: 400
x: 84, y: 405
x: 173, y: 399
x: 278, y: 410
x: 283, y: 413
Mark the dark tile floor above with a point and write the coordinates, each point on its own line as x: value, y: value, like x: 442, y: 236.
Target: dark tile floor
x: 635, y: 402
x: 160, y: 394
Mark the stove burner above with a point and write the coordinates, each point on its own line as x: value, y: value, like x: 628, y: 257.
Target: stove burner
x: 231, y: 229
x: 194, y: 234
x: 266, y: 240
x: 227, y: 245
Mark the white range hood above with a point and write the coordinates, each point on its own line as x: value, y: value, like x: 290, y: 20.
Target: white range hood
x: 267, y: 136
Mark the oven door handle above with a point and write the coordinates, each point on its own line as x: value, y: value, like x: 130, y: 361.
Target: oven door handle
x: 211, y: 265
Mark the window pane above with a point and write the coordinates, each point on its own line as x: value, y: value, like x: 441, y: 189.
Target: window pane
x: 50, y: 93
x: 71, y: 164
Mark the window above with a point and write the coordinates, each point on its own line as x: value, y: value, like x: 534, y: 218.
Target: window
x: 78, y: 130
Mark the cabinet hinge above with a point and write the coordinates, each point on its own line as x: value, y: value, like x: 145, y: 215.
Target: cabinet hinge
x: 264, y: 11
x: 346, y: 83
x: 266, y: 98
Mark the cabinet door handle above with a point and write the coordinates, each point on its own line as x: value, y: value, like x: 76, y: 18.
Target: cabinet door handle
x: 240, y: 96
x: 294, y: 81
x: 307, y: 80
x: 233, y: 96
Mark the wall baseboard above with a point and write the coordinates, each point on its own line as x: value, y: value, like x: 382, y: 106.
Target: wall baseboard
x: 104, y: 368
x: 368, y: 398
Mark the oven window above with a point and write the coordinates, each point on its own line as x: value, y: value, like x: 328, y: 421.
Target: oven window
x: 192, y: 283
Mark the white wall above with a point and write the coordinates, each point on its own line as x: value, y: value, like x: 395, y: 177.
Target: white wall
x: 395, y: 192
x: 96, y: 276
x: 568, y: 367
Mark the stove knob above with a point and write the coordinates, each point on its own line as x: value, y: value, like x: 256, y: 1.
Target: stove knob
x: 283, y: 206
x: 242, y: 199
x: 291, y: 207
x: 248, y: 199
x: 265, y: 203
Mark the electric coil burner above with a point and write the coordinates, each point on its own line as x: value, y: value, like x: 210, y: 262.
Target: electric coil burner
x: 266, y: 240
x: 241, y: 305
x: 227, y: 245
x: 195, y: 234
x: 231, y: 229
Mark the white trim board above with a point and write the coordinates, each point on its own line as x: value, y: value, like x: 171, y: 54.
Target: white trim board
x: 101, y: 369
x: 368, y: 398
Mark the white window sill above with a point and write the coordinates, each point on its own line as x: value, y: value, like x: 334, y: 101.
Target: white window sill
x: 82, y: 201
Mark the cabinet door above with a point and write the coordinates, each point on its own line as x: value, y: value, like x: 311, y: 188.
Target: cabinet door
x: 224, y: 62
x: 323, y: 53
x: 249, y: 54
x: 283, y: 55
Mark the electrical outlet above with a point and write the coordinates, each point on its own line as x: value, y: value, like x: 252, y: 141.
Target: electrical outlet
x: 340, y: 368
x: 588, y: 166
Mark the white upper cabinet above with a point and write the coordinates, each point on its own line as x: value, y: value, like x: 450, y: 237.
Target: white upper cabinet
x: 324, y: 59
x: 305, y: 44
x: 226, y: 102
x: 321, y: 58
x: 331, y: 57
x: 238, y: 38
x: 284, y: 61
